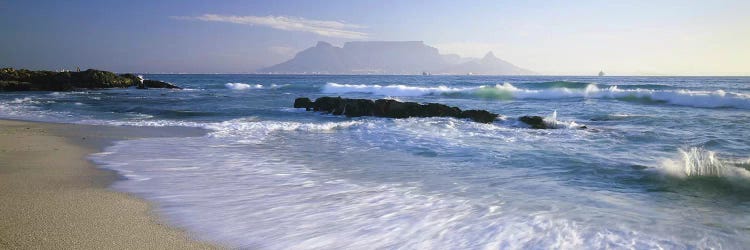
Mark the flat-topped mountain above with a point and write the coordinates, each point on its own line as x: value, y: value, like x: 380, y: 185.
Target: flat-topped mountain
x: 386, y: 57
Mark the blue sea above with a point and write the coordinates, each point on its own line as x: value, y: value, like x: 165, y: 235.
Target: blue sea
x: 664, y: 162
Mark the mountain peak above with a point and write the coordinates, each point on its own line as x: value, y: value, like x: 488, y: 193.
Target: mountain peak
x: 489, y: 55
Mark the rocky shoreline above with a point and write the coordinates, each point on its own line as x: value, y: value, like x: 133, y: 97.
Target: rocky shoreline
x: 43, y: 80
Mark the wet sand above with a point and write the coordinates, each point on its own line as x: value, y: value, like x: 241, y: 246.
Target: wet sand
x: 52, y: 197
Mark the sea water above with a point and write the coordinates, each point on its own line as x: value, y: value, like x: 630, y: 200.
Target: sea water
x: 663, y: 163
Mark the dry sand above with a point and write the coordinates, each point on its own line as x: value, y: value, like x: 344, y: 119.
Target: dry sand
x: 52, y: 197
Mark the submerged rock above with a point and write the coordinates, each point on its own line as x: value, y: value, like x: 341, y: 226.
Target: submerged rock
x: 389, y: 108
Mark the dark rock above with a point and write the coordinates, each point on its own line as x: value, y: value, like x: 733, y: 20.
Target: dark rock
x: 536, y: 122
x: 389, y: 108
x: 15, y: 86
x: 442, y: 110
x: 482, y: 116
x: 327, y: 104
x: 303, y: 102
x: 358, y: 107
x: 382, y: 106
x: 158, y: 85
x: 398, y: 109
x: 43, y: 80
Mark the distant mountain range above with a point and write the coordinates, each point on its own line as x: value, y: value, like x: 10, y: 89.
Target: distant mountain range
x: 400, y: 58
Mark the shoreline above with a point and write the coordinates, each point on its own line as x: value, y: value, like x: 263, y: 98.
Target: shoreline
x: 53, y: 196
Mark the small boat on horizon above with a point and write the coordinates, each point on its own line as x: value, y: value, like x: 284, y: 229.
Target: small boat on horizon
x: 601, y: 73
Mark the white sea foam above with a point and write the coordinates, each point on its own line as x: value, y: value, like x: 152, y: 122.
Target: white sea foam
x: 506, y: 91
x: 242, y: 86
x: 25, y: 100
x: 275, y: 86
x: 259, y: 198
x: 142, y: 121
x: 245, y: 86
x: 250, y: 130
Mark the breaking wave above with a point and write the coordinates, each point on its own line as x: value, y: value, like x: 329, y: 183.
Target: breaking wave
x: 506, y: 91
x: 245, y: 86
x: 242, y: 86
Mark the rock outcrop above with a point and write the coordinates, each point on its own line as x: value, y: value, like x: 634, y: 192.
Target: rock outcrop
x: 389, y: 108
x: 43, y: 80
x: 536, y: 122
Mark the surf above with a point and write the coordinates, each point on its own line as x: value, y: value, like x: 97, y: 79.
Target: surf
x: 551, y: 91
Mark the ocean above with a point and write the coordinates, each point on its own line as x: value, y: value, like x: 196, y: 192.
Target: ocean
x: 664, y: 162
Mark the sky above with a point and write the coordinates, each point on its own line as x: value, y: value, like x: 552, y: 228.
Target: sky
x: 549, y: 37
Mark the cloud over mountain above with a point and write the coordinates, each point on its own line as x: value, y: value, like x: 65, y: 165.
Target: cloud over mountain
x: 336, y: 29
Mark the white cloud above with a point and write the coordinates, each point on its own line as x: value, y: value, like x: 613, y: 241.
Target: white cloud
x: 320, y: 27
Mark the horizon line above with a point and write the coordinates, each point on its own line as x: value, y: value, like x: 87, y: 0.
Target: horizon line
x: 321, y: 74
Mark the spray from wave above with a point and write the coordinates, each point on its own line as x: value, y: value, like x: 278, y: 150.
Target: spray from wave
x: 553, y: 122
x: 699, y: 162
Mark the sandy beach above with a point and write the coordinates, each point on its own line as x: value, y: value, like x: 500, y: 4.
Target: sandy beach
x: 52, y: 197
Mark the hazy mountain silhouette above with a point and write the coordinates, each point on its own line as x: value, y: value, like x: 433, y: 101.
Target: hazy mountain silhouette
x: 410, y: 57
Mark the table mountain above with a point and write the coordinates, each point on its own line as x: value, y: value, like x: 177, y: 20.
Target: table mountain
x: 387, y: 57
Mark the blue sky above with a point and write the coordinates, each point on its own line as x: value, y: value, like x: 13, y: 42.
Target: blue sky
x: 551, y: 37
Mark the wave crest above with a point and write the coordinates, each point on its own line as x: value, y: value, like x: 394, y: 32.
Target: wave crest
x: 389, y: 90
x: 506, y: 91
